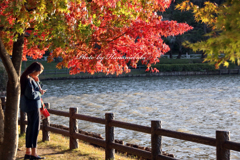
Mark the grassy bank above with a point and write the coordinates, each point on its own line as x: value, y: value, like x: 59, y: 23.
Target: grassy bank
x: 165, y: 65
x: 61, y: 73
x: 56, y: 73
x: 58, y: 149
x: 53, y: 64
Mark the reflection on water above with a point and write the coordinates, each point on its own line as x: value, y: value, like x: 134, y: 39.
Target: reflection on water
x: 192, y: 104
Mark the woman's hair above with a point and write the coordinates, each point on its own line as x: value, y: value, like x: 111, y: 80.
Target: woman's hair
x: 34, y: 67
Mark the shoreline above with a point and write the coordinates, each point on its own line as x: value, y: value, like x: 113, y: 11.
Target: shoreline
x: 182, y: 73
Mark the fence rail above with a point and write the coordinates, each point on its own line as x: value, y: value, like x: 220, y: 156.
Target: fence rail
x: 174, y: 56
x: 56, y: 71
x: 187, y: 137
x: 66, y: 71
x: 221, y: 142
x: 184, y: 56
x: 140, y: 67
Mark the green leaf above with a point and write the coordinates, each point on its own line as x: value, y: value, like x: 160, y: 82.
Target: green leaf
x: 226, y: 64
x: 119, y: 4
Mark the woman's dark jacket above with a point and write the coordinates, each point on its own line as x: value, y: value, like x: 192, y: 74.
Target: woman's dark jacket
x: 31, y: 99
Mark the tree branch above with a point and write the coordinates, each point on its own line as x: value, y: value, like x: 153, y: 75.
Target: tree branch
x: 81, y: 50
x: 29, y: 10
x: 112, y: 39
x: 2, y: 28
x: 17, y: 53
x: 117, y: 37
x: 7, y: 62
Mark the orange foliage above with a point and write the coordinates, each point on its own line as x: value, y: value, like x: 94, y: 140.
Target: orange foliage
x: 97, y: 36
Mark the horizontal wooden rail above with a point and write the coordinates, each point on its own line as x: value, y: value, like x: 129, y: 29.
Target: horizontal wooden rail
x: 161, y: 157
x: 59, y: 131
x: 89, y: 139
x: 134, y: 151
x: 59, y: 113
x: 187, y: 137
x: 89, y: 118
x: 56, y: 71
x: 221, y: 142
x: 130, y: 126
x: 232, y: 146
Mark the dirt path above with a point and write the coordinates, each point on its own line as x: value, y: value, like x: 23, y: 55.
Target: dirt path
x: 43, y: 152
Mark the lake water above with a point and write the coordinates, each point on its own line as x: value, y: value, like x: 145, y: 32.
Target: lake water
x: 192, y: 104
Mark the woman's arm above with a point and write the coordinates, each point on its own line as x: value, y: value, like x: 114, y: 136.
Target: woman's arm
x: 30, y: 92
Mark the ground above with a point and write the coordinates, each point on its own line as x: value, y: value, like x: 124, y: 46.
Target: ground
x: 41, y: 151
x: 58, y: 149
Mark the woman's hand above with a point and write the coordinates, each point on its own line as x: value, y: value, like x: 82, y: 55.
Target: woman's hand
x: 42, y: 91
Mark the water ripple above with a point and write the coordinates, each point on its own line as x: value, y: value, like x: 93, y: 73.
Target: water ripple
x: 191, y: 104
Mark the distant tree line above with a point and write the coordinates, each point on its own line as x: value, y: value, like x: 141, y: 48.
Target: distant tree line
x: 195, y: 35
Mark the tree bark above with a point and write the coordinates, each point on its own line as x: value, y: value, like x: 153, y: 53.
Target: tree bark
x: 171, y: 50
x: 205, y: 32
x: 17, y: 54
x: 179, y: 51
x: 1, y: 123
x: 13, y: 68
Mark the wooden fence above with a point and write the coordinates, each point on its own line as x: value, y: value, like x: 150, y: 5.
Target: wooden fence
x: 217, y: 72
x: 55, y: 71
x: 184, y: 56
x: 66, y: 71
x: 221, y: 142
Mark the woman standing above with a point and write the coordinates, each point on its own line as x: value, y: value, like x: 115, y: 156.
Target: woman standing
x: 30, y: 102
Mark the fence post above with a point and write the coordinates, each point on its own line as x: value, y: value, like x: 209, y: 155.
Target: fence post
x: 4, y: 99
x: 156, y: 140
x: 109, y: 137
x: 221, y: 137
x: 73, y: 143
x: 22, y: 124
x: 46, y: 123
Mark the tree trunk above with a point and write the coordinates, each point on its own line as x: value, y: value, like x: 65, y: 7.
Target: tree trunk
x: 8, y: 149
x: 205, y: 28
x: 170, y: 54
x: 179, y: 52
x: 1, y: 123
x: 171, y: 50
x: 10, y: 142
x: 205, y: 32
x: 203, y: 55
